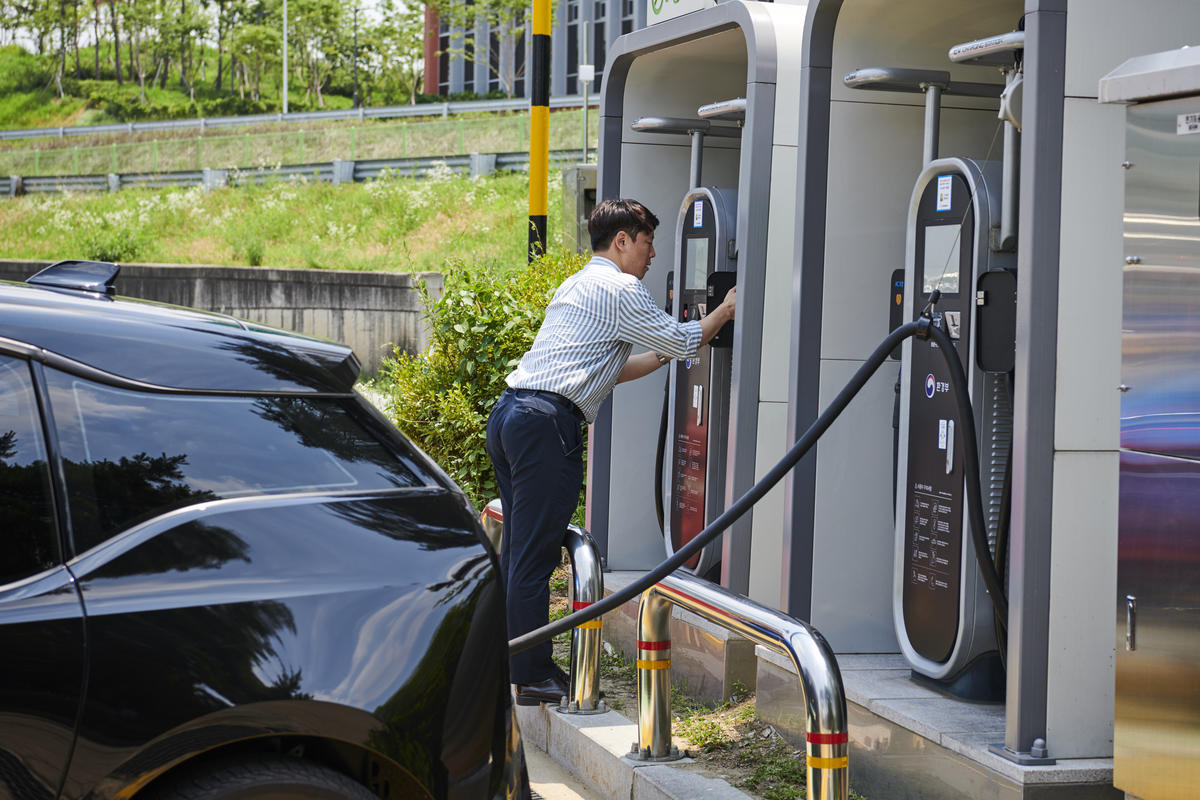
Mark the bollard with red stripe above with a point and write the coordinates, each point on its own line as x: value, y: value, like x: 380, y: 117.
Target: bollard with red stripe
x: 828, y: 757
x: 654, y: 680
x: 592, y: 624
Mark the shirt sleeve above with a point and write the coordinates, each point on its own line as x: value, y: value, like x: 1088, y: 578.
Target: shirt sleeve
x: 641, y: 322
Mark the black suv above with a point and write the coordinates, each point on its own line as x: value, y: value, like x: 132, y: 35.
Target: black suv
x: 224, y: 574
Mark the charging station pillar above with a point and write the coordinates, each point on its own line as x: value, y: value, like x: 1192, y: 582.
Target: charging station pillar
x: 736, y: 49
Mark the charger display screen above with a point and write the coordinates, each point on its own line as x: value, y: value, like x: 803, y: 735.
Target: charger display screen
x: 941, y: 258
x: 696, y: 255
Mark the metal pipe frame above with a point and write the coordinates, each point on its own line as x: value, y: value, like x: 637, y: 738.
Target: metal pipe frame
x: 1010, y: 192
x: 933, y: 122
x: 826, y: 730
x: 697, y: 157
x: 587, y: 587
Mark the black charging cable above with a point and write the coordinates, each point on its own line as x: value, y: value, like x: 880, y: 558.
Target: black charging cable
x: 922, y: 328
x: 659, y: 455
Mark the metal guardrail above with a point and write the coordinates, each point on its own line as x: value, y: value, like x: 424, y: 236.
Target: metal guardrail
x: 369, y: 170
x: 322, y: 171
x: 587, y: 587
x: 380, y: 112
x: 826, y: 731
x: 160, y: 180
x: 49, y: 184
x: 317, y: 172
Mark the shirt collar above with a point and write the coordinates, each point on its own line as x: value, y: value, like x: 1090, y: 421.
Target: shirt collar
x: 606, y: 262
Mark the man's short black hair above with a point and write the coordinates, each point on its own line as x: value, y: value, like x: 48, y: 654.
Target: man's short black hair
x: 610, y: 217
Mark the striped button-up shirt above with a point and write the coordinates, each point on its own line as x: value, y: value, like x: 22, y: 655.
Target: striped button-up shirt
x: 596, y: 317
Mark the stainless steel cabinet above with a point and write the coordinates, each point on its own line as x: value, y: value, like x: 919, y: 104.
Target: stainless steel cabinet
x: 1157, y: 717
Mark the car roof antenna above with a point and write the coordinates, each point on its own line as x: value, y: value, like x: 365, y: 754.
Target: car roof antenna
x: 86, y: 276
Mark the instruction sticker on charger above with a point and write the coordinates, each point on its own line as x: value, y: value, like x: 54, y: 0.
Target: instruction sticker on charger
x: 942, y: 431
x: 698, y: 214
x: 945, y: 184
x: 1187, y: 123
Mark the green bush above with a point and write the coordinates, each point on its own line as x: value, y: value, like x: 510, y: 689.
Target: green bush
x: 255, y: 249
x: 125, y: 102
x: 479, y: 329
x: 22, y: 71
x: 107, y: 241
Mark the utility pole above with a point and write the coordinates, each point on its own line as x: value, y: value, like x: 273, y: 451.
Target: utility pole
x: 539, y: 129
x: 285, y: 69
x: 356, y: 56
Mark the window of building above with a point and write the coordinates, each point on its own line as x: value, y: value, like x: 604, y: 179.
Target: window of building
x: 572, y: 44
x: 495, y: 46
x: 598, y: 47
x: 519, y: 56
x: 443, y: 58
x: 468, y: 45
x: 468, y: 49
x: 626, y: 16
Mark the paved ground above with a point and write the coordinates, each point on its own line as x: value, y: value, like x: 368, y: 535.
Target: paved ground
x: 551, y: 781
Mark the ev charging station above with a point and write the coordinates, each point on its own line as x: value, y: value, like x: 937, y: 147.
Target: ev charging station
x: 731, y: 67
x: 698, y: 388
x: 836, y: 189
x: 943, y: 616
x: 695, y: 421
x: 961, y: 244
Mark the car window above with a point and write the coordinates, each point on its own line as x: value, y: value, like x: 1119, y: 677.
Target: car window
x: 27, y: 533
x: 130, y: 455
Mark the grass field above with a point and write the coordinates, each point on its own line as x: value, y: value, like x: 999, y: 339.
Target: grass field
x: 390, y: 224
x: 254, y: 147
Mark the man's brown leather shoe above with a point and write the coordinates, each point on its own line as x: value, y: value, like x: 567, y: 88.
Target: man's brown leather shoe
x: 550, y: 690
x: 566, y: 679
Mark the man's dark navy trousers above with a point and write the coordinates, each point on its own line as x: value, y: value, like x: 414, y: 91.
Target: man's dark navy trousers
x: 535, y: 441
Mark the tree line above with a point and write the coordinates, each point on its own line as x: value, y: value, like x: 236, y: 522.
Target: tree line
x: 227, y: 47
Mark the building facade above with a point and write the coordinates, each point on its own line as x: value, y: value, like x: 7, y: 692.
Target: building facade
x: 485, y: 58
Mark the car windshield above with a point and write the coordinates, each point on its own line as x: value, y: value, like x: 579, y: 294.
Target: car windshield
x: 131, y: 455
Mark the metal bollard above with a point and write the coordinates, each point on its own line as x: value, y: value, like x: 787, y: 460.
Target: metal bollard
x: 654, y: 680
x: 826, y: 731
x: 587, y: 587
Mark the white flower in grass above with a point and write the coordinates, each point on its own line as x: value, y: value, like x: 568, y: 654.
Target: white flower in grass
x: 440, y: 172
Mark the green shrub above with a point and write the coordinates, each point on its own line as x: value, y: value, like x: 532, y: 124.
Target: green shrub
x: 107, y: 241
x: 479, y: 329
x: 234, y: 106
x: 255, y: 250
x: 22, y: 71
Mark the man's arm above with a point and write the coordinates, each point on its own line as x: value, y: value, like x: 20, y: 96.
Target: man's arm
x: 639, y: 365
x: 645, y: 363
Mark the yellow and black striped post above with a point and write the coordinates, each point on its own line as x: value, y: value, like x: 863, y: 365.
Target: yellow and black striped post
x: 539, y: 128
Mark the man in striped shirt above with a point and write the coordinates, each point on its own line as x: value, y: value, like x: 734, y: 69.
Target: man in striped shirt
x: 534, y: 434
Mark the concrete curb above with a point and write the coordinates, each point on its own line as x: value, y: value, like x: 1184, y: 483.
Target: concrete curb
x: 595, y: 748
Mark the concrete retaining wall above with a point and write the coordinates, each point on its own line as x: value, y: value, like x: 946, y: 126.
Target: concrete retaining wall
x: 371, y: 312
